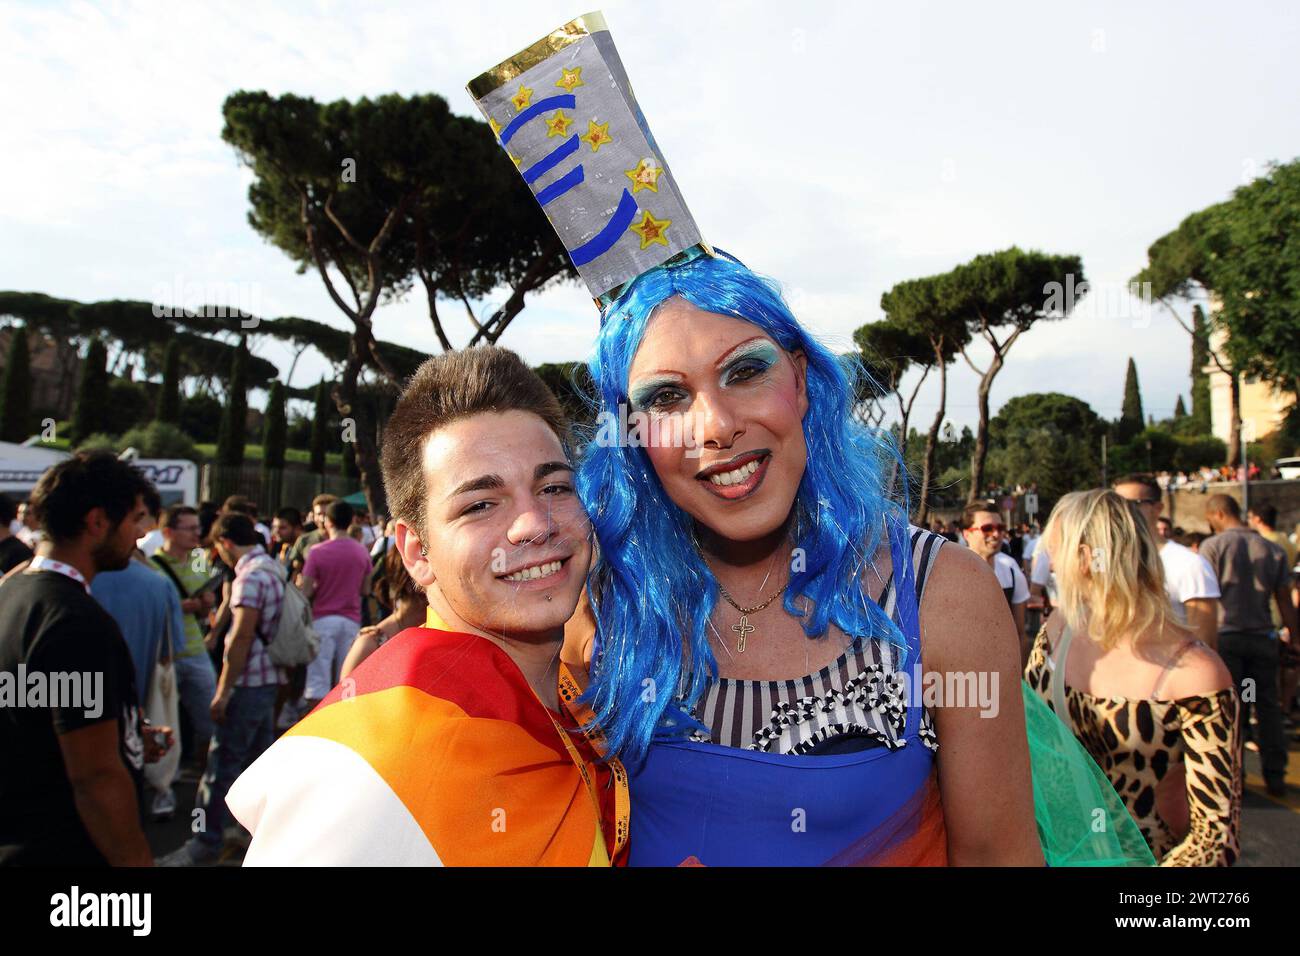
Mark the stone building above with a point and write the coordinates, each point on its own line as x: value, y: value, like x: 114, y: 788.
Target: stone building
x: 1263, y: 407
x: 55, y: 366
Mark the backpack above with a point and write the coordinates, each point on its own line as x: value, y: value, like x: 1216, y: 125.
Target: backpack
x: 295, y: 642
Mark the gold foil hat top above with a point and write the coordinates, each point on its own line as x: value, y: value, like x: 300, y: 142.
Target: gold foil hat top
x: 543, y: 49
x: 564, y: 111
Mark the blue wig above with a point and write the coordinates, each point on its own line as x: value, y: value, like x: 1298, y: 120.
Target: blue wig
x: 651, y: 591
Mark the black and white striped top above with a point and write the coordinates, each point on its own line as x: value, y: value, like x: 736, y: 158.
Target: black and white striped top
x: 860, y: 697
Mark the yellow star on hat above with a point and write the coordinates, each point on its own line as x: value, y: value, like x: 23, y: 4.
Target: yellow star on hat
x: 597, y: 135
x: 558, y: 125
x: 645, y: 175
x: 521, y: 99
x: 651, y: 230
x: 582, y: 103
x: 570, y: 79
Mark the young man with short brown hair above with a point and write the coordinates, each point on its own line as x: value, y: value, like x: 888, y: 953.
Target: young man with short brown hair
x: 449, y: 744
x: 984, y: 531
x: 298, y: 553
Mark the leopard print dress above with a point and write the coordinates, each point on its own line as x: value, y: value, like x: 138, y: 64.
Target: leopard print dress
x: 1137, y: 743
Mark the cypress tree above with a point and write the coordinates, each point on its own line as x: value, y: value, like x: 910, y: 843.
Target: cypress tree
x: 169, y: 395
x: 90, y: 414
x: 16, y: 391
x: 318, y: 429
x: 234, y: 418
x: 274, y: 428
x: 1180, y: 410
x: 1200, y: 378
x: 274, y: 436
x: 1131, y: 419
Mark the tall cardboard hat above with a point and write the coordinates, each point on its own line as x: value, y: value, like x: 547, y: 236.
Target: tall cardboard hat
x: 564, y: 111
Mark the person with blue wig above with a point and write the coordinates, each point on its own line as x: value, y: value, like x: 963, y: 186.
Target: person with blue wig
x: 775, y: 653
x: 764, y: 614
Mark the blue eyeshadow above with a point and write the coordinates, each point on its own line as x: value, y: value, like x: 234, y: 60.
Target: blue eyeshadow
x: 760, y: 350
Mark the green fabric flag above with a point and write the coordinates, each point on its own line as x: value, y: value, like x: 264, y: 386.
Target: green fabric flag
x: 1081, y: 819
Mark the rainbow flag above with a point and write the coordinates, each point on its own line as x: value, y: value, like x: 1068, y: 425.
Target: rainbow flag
x: 435, y: 751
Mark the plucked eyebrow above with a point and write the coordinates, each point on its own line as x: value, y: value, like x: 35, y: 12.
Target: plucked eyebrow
x: 744, y: 347
x: 640, y: 389
x: 670, y: 376
x: 656, y: 378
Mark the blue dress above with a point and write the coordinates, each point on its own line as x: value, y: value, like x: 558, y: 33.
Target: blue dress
x: 702, y: 803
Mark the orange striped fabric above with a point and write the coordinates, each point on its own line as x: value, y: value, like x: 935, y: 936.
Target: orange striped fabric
x: 449, y: 724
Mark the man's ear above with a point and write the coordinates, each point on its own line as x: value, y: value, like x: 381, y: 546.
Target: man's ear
x: 800, y: 360
x: 97, y: 525
x: 412, y: 550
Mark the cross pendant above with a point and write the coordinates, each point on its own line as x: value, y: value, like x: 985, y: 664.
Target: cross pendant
x: 743, y: 629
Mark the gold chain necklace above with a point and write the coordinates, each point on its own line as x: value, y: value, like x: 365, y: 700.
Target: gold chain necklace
x: 744, y: 627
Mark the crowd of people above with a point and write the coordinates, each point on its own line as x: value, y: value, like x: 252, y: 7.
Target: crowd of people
x: 1229, y: 598
x: 1205, y: 475
x: 1140, y: 644
x: 736, y: 650
x: 196, y: 597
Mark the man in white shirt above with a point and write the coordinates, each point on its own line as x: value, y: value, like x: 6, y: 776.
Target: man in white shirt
x: 1190, y: 582
x: 1032, y: 537
x: 984, y: 532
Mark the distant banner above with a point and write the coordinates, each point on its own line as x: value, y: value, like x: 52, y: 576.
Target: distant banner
x: 176, y: 478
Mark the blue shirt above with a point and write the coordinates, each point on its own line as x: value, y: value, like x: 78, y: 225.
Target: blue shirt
x: 148, y: 610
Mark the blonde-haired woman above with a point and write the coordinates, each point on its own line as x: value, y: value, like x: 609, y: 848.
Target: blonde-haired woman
x: 1153, y: 706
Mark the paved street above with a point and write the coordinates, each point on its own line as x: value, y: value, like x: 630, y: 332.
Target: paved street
x: 1270, y: 827
x: 167, y: 835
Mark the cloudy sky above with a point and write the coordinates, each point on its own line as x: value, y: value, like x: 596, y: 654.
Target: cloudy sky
x: 840, y: 147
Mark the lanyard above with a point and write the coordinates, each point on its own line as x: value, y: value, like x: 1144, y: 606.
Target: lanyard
x: 43, y: 563
x: 570, y: 690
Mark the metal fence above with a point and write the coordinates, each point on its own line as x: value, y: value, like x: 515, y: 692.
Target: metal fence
x: 271, y: 488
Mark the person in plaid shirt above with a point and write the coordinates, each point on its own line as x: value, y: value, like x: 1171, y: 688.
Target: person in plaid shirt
x: 243, y: 708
